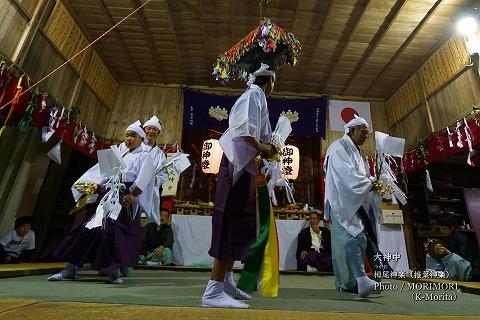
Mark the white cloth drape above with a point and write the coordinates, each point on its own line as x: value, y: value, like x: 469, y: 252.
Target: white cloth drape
x: 193, y: 235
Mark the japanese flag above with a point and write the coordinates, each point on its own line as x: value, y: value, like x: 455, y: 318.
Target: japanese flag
x: 341, y: 112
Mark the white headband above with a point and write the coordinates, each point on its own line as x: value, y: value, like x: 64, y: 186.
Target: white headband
x: 263, y: 71
x: 137, y: 128
x: 355, y: 122
x: 154, y: 122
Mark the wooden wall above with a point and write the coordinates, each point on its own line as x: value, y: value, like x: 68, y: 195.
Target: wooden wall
x: 41, y: 59
x: 13, y: 21
x: 456, y: 99
x: 447, y: 105
x: 445, y: 84
x: 25, y: 174
x: 135, y: 102
x: 93, y: 113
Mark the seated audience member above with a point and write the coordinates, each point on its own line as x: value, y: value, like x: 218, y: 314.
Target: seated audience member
x: 314, y: 250
x: 18, y: 244
x: 158, y: 242
x: 458, y: 256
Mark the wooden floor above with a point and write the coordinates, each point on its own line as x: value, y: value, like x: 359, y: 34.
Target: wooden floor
x: 26, y: 309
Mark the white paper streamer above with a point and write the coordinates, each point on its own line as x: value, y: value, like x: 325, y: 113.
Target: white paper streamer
x: 43, y: 104
x: 109, y: 205
x: 60, y: 118
x: 55, y: 153
x: 459, y: 135
x: 428, y: 180
x: 48, y: 131
x: 272, y: 169
x: 83, y: 137
x: 469, y: 135
x: 450, y: 141
x: 93, y: 144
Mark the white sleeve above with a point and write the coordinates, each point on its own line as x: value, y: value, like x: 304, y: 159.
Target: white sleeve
x: 31, y: 241
x: 146, y: 173
x: 243, y: 121
x: 266, y: 132
x: 6, y: 238
x: 347, y: 176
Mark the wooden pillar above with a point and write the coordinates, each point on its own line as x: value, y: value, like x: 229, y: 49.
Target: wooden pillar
x: 30, y: 31
x: 423, y: 97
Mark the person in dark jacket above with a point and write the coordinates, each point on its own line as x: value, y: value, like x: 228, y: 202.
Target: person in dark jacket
x: 314, y: 249
x: 459, y: 257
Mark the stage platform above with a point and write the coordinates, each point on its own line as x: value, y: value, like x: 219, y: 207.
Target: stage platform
x: 176, y: 294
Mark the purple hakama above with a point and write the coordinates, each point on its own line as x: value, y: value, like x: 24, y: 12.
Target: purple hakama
x: 234, y: 215
x: 116, y: 245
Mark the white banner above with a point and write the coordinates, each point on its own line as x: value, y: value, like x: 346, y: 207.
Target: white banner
x: 341, y: 112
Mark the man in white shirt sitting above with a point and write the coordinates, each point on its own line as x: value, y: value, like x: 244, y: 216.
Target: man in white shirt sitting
x: 18, y: 244
x: 314, y: 250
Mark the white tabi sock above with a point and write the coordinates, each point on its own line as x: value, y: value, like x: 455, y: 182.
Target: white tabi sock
x: 365, y: 286
x: 114, y: 278
x: 68, y: 272
x: 232, y: 290
x: 215, y: 297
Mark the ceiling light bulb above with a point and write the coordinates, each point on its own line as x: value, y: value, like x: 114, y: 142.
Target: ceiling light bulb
x: 467, y: 26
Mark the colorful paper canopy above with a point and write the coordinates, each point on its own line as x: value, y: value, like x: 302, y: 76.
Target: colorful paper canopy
x: 267, y: 43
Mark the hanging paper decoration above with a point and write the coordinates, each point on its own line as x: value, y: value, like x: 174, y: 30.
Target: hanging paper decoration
x: 48, y: 131
x: 290, y: 162
x: 267, y: 43
x: 428, y: 181
x: 211, y: 156
x: 14, y: 104
x: 28, y: 115
x: 93, y: 144
x: 43, y: 104
x: 422, y: 149
x: 450, y: 140
x: 55, y: 153
x: 272, y: 167
x: 59, y: 119
x: 83, y: 137
x: 468, y: 135
x: 459, y: 135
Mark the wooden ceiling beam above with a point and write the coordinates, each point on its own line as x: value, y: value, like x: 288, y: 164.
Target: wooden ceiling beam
x: 179, y: 53
x: 104, y: 8
x: 322, y: 31
x: 377, y: 38
x: 404, y: 45
x: 294, y: 20
x: 357, y: 14
x: 208, y: 66
x: 145, y: 26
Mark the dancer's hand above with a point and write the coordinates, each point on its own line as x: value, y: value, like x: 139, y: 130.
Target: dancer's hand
x: 266, y: 151
x: 303, y: 254
x: 128, y: 200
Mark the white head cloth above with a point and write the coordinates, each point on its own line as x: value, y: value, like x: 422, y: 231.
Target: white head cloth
x: 355, y: 122
x: 137, y: 128
x: 263, y: 71
x: 154, y: 122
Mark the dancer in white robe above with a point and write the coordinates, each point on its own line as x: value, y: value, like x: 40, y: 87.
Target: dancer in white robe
x: 116, y: 244
x: 152, y: 129
x: 347, y: 190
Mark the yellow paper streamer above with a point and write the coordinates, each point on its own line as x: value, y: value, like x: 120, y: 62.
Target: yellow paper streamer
x: 270, y: 275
